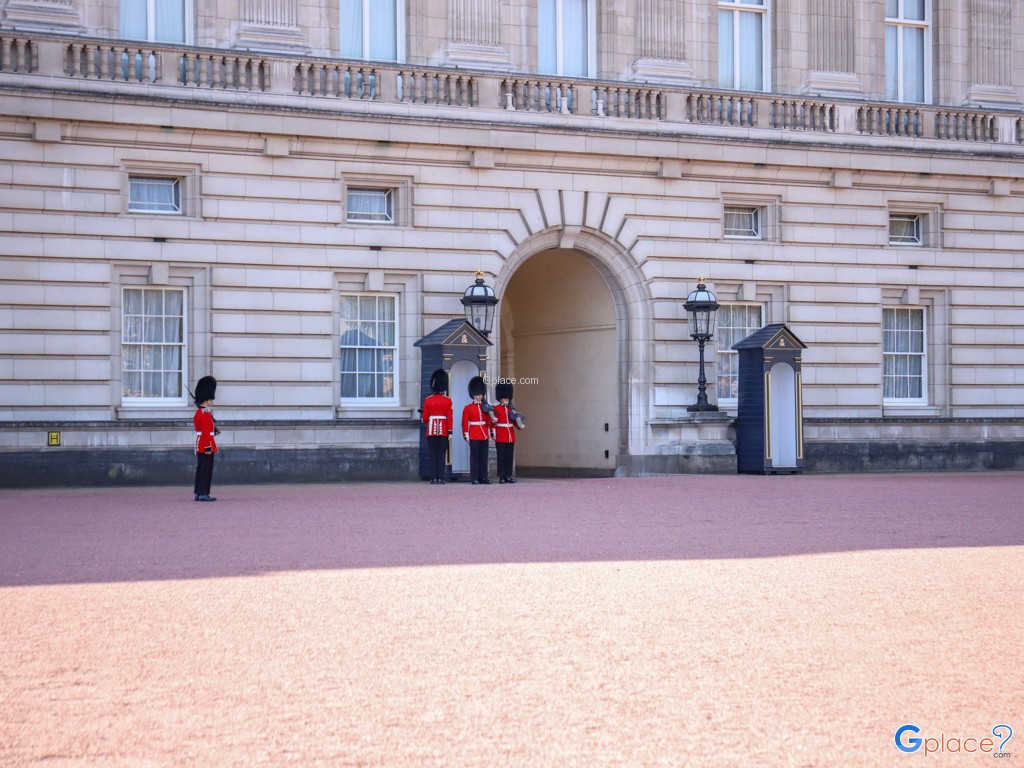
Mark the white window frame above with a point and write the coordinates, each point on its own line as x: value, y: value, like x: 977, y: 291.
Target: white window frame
x: 756, y: 232
x: 387, y: 218
x: 189, y: 20
x: 724, y: 350
x: 889, y: 401
x: 183, y: 345
x: 900, y: 22
x: 394, y: 398
x: 560, y: 40
x: 736, y: 8
x: 140, y: 206
x: 399, y: 29
x: 915, y: 241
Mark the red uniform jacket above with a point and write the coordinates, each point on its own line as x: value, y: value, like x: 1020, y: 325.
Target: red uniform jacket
x: 205, y: 427
x: 437, y: 415
x: 475, y: 423
x: 505, y: 429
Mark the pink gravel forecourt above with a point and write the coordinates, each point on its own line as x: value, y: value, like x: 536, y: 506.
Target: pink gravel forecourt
x: 660, y: 621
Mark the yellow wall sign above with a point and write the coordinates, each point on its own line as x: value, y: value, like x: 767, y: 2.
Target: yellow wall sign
x: 53, y: 438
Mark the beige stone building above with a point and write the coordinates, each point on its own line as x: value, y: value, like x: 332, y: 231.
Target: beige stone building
x: 288, y: 194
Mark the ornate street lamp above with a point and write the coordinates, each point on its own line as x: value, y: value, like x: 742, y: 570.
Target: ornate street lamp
x: 479, y: 301
x: 702, y: 306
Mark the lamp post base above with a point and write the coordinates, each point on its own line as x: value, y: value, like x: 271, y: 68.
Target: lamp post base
x: 701, y: 408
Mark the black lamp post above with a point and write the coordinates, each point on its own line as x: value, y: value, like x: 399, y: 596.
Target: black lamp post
x: 479, y: 301
x: 702, y: 306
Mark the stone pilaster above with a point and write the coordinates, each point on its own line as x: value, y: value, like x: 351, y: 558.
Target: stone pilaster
x: 990, y: 54
x: 832, y: 41
x: 474, y: 36
x: 42, y: 16
x: 661, y: 43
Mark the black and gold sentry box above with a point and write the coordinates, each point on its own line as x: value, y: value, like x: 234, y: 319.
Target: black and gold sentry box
x: 769, y: 415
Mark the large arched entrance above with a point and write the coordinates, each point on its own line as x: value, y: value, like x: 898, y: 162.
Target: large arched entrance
x: 560, y: 342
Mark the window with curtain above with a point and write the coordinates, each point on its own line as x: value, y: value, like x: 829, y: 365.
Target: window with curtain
x: 154, y: 194
x: 369, y: 347
x: 906, y: 229
x: 372, y: 29
x: 370, y: 206
x: 156, y: 20
x: 564, y: 33
x: 743, y: 221
x: 153, y: 348
x: 744, y: 37
x: 734, y: 323
x: 907, y: 47
x: 903, y: 355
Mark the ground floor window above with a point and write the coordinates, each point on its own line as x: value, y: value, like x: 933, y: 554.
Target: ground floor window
x: 153, y: 347
x: 904, y: 362
x: 735, y: 322
x: 369, y: 347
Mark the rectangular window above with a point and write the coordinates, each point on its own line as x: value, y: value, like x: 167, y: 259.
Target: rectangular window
x: 371, y: 206
x: 369, y: 347
x: 743, y: 221
x: 907, y: 50
x: 903, y: 355
x: 735, y: 322
x: 153, y: 350
x: 743, y: 44
x: 564, y: 31
x: 372, y: 29
x: 906, y: 229
x: 157, y: 20
x: 154, y: 194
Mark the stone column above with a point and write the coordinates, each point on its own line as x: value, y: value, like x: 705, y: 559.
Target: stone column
x: 474, y: 36
x: 270, y: 25
x: 59, y: 16
x: 832, y: 35
x: 661, y: 43
x: 990, y: 52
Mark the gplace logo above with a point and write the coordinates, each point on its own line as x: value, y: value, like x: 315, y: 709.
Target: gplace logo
x: 952, y: 744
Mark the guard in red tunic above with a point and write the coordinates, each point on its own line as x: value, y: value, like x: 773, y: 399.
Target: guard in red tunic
x: 206, y: 433
x: 476, y: 422
x: 504, y: 431
x: 438, y: 418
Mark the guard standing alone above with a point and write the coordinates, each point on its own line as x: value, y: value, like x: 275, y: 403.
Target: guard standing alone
x: 437, y: 415
x: 206, y: 432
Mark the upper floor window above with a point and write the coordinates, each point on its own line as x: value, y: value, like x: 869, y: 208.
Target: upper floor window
x: 154, y: 194
x: 153, y: 337
x: 906, y: 229
x: 904, y: 366
x: 565, y: 37
x: 743, y: 221
x: 369, y: 347
x: 371, y: 206
x: 734, y: 323
x: 744, y: 35
x: 373, y: 30
x: 157, y: 20
x: 907, y: 50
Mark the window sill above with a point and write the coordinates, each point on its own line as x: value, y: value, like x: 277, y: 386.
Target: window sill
x: 396, y: 412
x: 155, y: 412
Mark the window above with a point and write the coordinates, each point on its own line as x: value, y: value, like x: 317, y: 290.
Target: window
x: 735, y: 322
x: 907, y: 50
x: 903, y: 355
x: 564, y: 37
x: 373, y: 30
x: 369, y: 347
x: 153, y: 337
x: 157, y: 20
x: 743, y: 221
x: 744, y: 44
x: 906, y: 229
x: 154, y: 194
x: 371, y: 206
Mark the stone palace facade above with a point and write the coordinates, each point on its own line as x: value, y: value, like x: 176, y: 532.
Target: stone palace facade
x: 288, y: 194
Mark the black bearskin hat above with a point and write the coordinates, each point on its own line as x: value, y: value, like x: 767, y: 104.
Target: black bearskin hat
x: 439, y: 381
x: 503, y: 390
x: 206, y: 388
x: 477, y: 386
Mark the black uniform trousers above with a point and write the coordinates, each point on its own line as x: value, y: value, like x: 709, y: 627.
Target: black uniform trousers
x: 437, y: 446
x: 478, y: 459
x: 204, y: 473
x: 505, y: 452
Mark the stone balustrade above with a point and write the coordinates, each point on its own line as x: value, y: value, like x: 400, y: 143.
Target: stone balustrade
x: 621, y: 103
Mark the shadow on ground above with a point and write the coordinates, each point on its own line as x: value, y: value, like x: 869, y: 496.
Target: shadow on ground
x: 137, y: 534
